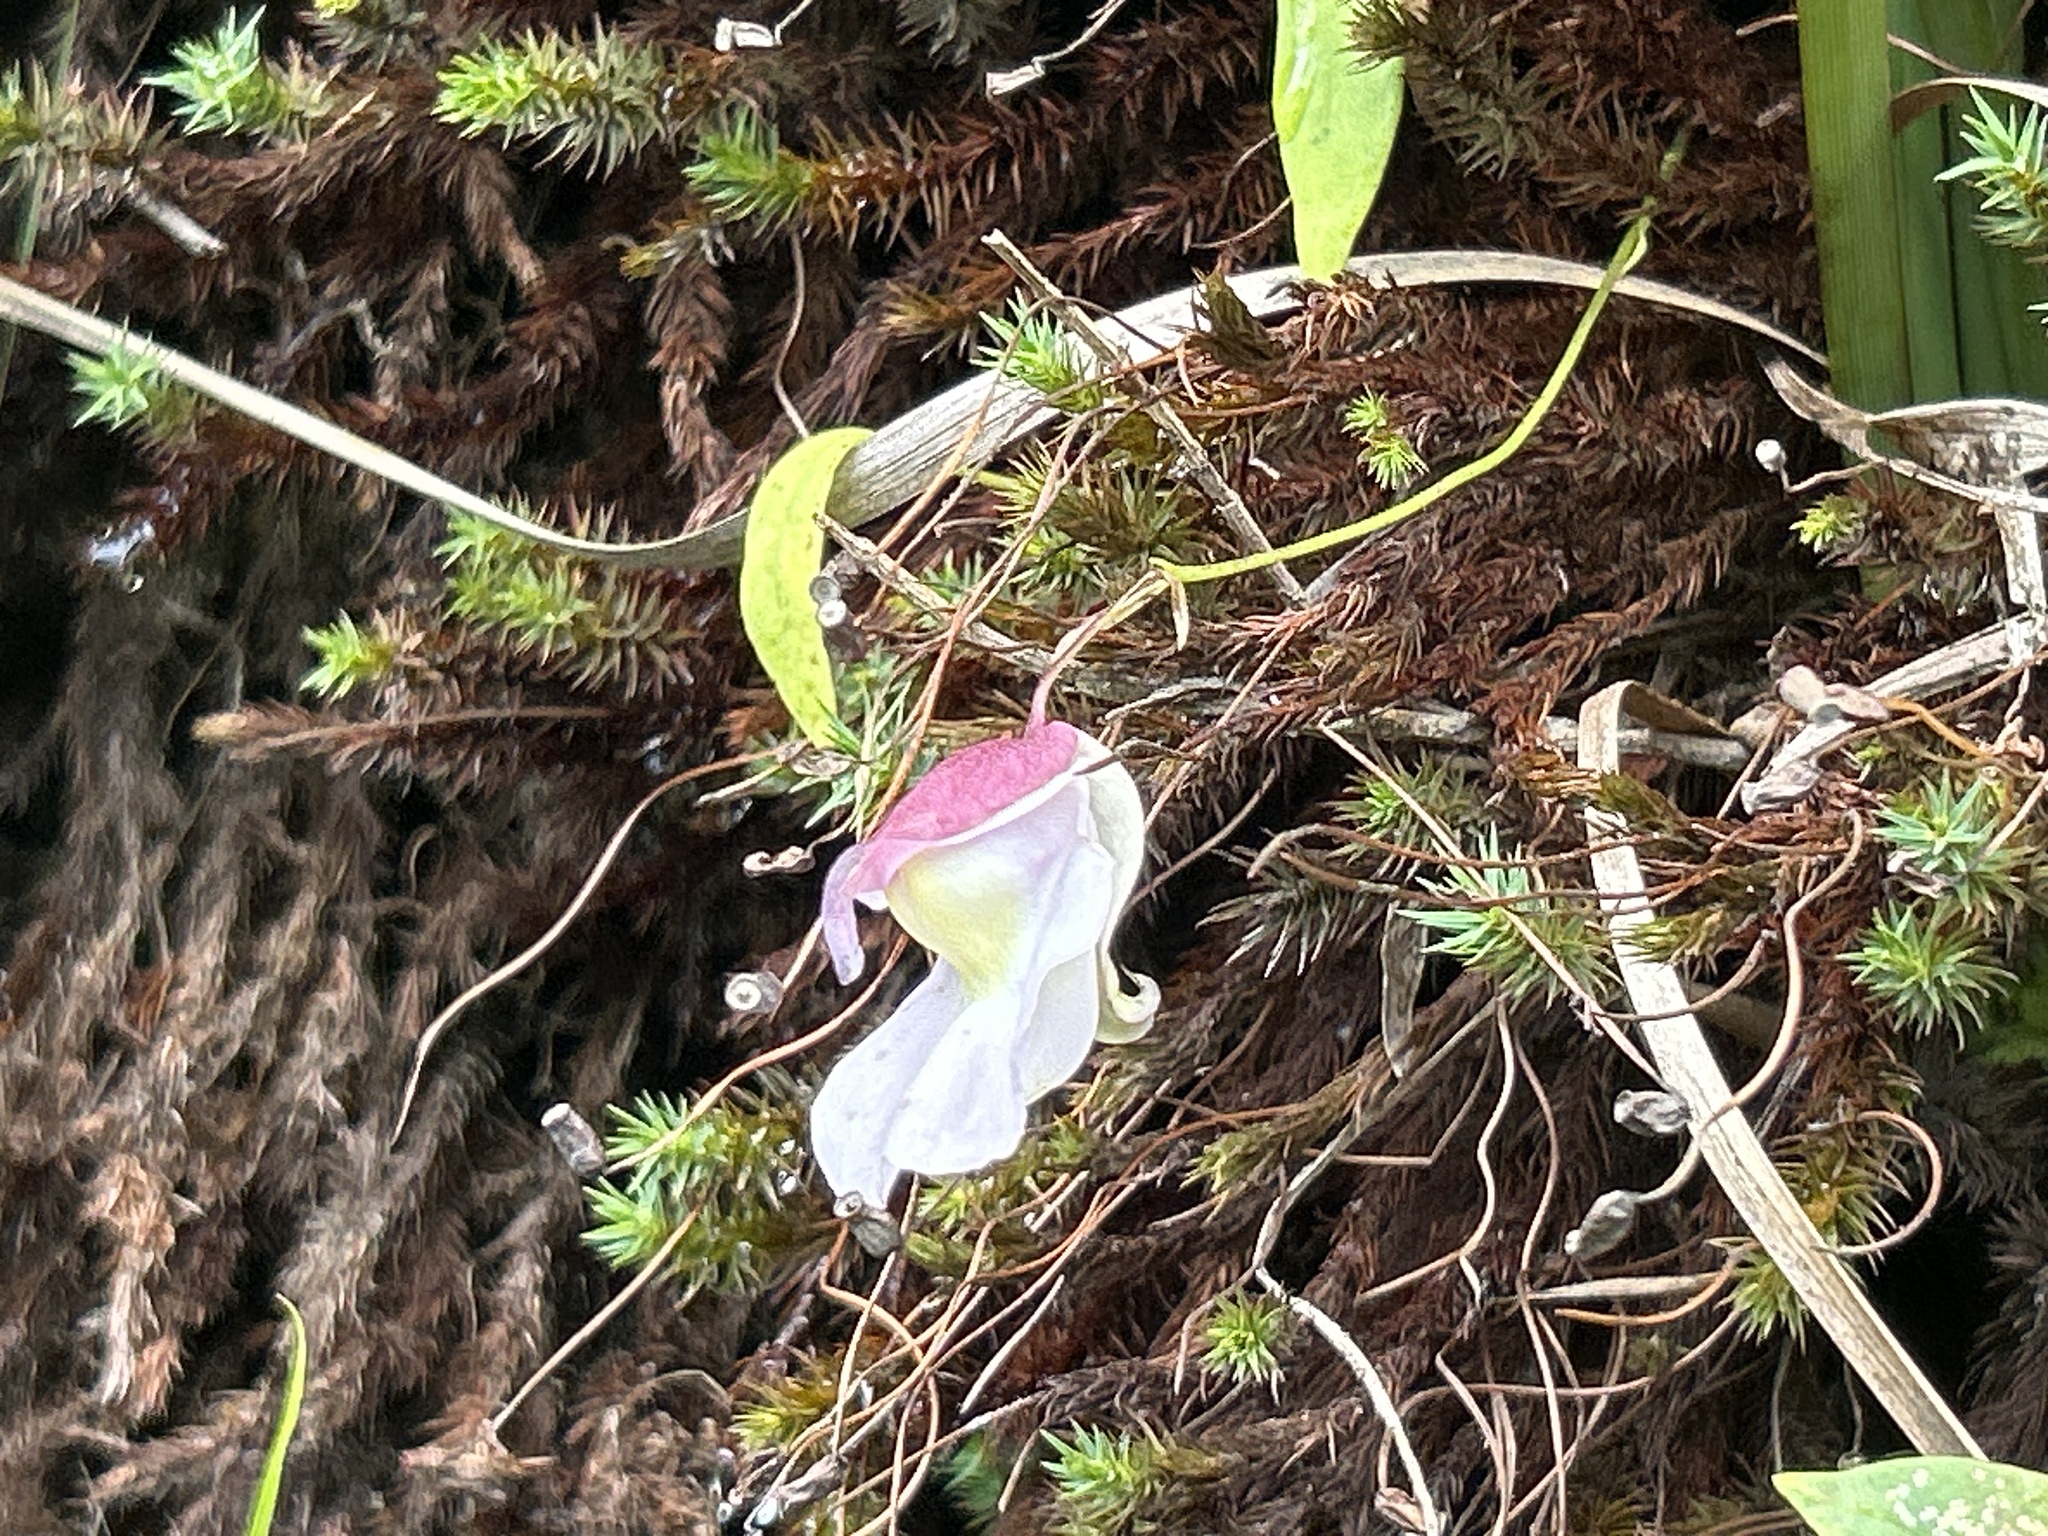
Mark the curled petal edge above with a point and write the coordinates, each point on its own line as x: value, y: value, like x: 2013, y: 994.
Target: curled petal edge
x: 1126, y: 1016
x: 836, y: 915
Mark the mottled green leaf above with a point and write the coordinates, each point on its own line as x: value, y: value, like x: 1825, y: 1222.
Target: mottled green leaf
x: 1336, y: 117
x: 1922, y: 1494
x: 785, y: 546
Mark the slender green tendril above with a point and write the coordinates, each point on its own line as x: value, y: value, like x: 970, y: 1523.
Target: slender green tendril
x: 1634, y: 243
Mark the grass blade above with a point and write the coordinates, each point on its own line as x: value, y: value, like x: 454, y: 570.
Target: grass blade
x: 1845, y: 76
x: 263, y: 1507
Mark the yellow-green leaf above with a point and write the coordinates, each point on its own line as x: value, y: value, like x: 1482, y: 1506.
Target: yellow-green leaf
x: 1336, y: 117
x: 785, y: 546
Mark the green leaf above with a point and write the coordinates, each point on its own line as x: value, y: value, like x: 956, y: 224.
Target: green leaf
x: 1336, y: 118
x: 1920, y: 1493
x: 785, y: 546
x: 263, y: 1507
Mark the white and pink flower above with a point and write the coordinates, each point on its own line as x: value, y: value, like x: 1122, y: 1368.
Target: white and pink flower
x: 1011, y: 861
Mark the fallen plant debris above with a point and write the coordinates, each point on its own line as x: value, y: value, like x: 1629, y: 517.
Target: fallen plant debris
x: 412, y: 878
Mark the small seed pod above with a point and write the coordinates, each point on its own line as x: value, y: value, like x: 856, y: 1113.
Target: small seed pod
x: 873, y: 1230
x: 749, y: 993
x: 1650, y: 1113
x: 791, y: 861
x: 1607, y: 1222
x: 574, y: 1139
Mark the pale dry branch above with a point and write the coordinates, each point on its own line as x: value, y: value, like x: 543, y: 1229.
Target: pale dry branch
x: 1738, y: 1159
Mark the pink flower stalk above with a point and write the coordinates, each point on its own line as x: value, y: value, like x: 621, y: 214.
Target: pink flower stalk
x: 1011, y: 861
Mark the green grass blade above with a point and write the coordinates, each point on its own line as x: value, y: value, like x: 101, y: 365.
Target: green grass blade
x: 263, y: 1507
x: 1966, y: 298
x: 1845, y: 76
x: 1927, y: 250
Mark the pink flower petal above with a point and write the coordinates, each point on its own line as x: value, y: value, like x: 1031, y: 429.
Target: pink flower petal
x: 842, y: 923
x: 978, y: 783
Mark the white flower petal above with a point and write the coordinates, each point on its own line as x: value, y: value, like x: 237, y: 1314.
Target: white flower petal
x: 965, y: 1109
x: 1017, y: 900
x: 1061, y: 1028
x: 1062, y: 986
x: 856, y: 1109
x: 941, y: 1086
x: 1119, y: 813
x: 1120, y: 827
